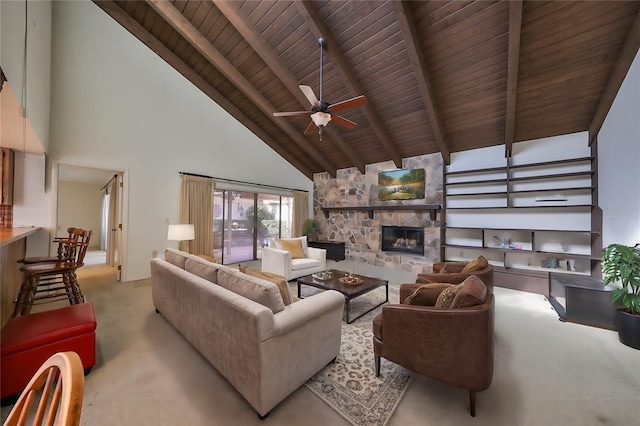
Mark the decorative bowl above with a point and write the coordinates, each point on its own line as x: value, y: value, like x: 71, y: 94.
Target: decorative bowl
x: 322, y: 276
x: 350, y: 280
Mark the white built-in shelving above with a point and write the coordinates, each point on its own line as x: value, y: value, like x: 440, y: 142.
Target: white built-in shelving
x: 528, y: 212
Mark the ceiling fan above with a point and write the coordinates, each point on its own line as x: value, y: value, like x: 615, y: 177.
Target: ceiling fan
x: 322, y: 112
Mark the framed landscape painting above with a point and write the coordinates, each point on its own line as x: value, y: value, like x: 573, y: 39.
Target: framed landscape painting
x: 405, y: 184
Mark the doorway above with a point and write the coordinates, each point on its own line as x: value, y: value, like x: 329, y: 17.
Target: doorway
x: 91, y: 198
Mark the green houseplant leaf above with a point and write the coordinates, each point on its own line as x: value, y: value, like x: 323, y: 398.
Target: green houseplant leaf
x: 621, y: 264
x: 310, y: 227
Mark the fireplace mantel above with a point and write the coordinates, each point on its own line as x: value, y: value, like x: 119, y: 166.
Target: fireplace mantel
x: 431, y: 208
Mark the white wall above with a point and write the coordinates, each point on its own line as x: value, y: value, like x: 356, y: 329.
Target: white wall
x: 32, y: 205
x: 619, y: 164
x: 12, y: 31
x: 116, y: 105
x: 80, y: 206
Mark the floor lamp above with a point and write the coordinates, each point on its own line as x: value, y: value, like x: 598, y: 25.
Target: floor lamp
x: 181, y: 232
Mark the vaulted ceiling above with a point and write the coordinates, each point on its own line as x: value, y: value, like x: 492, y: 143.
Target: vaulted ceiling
x: 439, y: 76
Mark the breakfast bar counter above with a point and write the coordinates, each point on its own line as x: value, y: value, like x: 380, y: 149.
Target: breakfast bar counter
x: 13, y: 247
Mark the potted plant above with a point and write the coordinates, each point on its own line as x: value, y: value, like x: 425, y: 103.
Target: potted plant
x: 310, y: 228
x: 621, y: 263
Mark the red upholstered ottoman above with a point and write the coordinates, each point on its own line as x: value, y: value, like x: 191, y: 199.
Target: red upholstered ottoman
x: 27, y: 341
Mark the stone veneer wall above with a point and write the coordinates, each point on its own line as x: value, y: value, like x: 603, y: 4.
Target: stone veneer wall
x: 362, y: 236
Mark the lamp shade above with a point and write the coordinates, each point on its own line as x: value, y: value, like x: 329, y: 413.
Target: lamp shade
x: 321, y: 118
x: 181, y: 232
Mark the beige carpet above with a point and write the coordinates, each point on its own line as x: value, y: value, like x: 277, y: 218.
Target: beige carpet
x: 546, y: 372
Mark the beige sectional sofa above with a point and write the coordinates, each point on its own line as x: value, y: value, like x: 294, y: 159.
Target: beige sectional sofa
x: 240, y: 324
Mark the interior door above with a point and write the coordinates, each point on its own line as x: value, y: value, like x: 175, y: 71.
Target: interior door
x: 114, y: 252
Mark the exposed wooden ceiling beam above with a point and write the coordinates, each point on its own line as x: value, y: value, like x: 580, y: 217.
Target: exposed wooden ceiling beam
x: 515, y: 25
x: 410, y: 35
x: 231, y: 11
x: 216, y: 58
x: 311, y: 15
x: 629, y: 52
x: 116, y: 12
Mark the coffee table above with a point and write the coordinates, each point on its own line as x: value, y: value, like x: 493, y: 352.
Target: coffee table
x: 349, y: 292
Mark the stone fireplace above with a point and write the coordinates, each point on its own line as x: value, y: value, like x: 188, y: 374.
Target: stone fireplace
x: 362, y: 232
x: 403, y: 239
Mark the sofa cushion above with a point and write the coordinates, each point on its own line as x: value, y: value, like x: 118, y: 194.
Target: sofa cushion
x: 278, y: 280
x: 260, y: 291
x: 278, y: 243
x: 449, y: 267
x: 304, y: 263
x: 208, y: 258
x: 426, y: 295
x: 472, y: 292
x: 294, y: 247
x: 476, y: 264
x: 202, y: 268
x: 176, y: 257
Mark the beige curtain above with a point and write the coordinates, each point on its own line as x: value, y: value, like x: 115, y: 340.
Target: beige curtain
x: 196, y: 207
x: 300, y: 212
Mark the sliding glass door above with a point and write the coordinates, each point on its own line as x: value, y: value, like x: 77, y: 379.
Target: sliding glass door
x: 244, y: 222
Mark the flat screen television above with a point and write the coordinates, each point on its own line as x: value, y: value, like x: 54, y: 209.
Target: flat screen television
x: 404, y: 184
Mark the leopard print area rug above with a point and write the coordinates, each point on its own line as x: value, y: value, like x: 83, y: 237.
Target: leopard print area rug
x: 350, y: 386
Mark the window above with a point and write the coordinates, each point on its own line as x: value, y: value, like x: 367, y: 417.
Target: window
x: 244, y: 222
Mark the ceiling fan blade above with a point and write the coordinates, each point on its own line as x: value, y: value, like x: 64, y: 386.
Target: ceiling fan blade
x: 288, y: 114
x: 343, y: 122
x: 308, y: 93
x: 310, y: 128
x: 349, y: 103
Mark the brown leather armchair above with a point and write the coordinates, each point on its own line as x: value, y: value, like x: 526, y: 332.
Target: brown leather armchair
x: 453, y: 274
x: 450, y: 345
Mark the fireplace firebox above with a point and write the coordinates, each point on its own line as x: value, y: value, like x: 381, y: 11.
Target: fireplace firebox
x: 403, y: 239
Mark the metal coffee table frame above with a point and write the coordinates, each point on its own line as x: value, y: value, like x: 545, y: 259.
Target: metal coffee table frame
x: 349, y: 292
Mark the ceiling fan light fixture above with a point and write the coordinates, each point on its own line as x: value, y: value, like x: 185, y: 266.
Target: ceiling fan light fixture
x: 320, y: 118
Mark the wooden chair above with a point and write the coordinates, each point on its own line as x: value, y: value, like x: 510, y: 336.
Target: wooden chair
x: 62, y: 252
x: 44, y: 281
x: 59, y: 384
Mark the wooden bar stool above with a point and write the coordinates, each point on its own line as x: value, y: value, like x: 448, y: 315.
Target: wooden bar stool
x: 46, y: 280
x: 61, y: 254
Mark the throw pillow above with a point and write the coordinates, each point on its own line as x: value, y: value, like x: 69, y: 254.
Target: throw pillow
x: 445, y: 299
x: 278, y: 280
x: 476, y: 264
x: 294, y: 247
x: 426, y: 294
x: 278, y: 243
x: 473, y: 292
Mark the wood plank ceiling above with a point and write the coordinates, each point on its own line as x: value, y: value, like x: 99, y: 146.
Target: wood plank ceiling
x: 439, y: 76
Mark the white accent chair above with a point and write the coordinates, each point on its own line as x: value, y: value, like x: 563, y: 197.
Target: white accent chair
x: 279, y: 261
